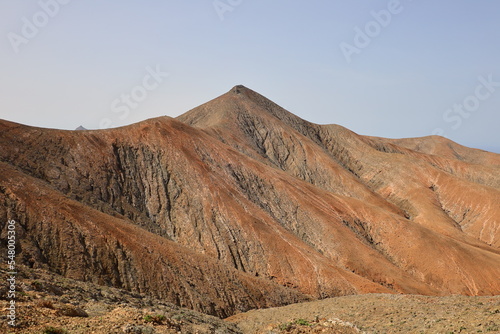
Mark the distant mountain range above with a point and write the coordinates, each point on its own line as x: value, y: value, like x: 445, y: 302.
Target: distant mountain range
x: 239, y: 204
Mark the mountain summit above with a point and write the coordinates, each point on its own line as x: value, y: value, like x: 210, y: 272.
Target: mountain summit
x: 239, y: 204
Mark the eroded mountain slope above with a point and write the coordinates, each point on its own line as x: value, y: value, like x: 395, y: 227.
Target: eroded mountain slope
x: 239, y: 204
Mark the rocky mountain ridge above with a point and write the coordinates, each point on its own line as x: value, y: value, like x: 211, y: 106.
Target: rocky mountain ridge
x: 239, y: 204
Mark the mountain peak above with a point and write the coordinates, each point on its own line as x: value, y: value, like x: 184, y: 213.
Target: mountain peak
x: 238, y: 101
x: 238, y: 89
x: 242, y: 91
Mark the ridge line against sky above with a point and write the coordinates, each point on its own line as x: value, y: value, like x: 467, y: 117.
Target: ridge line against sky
x: 389, y: 68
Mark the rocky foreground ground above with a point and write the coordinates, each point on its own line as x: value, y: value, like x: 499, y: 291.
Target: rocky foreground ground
x: 378, y: 313
x: 51, y: 304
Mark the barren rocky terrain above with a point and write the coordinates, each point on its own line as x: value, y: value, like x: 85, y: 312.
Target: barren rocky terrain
x: 49, y: 302
x: 378, y: 313
x: 238, y: 204
x: 46, y: 301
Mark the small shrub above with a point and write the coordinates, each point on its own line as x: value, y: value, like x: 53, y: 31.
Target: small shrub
x: 285, y: 327
x: 37, y: 285
x: 302, y: 322
x: 71, y: 311
x: 157, y: 319
x: 45, y: 304
x: 54, y: 330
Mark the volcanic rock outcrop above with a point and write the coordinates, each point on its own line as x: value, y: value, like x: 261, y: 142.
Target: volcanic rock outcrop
x: 239, y: 204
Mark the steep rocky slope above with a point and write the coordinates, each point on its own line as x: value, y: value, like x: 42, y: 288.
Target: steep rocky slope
x: 239, y: 204
x: 73, y: 240
x: 49, y: 303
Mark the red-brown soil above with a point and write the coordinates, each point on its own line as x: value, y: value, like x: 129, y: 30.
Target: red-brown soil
x: 239, y: 204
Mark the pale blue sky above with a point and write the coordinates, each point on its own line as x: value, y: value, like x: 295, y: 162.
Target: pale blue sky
x: 81, y: 61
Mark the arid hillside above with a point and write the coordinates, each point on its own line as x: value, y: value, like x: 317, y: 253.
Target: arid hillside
x: 50, y: 303
x: 239, y: 204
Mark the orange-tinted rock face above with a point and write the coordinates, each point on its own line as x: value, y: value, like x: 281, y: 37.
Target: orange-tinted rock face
x: 239, y: 204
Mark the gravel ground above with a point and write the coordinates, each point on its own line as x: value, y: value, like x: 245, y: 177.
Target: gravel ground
x: 50, y: 304
x: 379, y: 313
